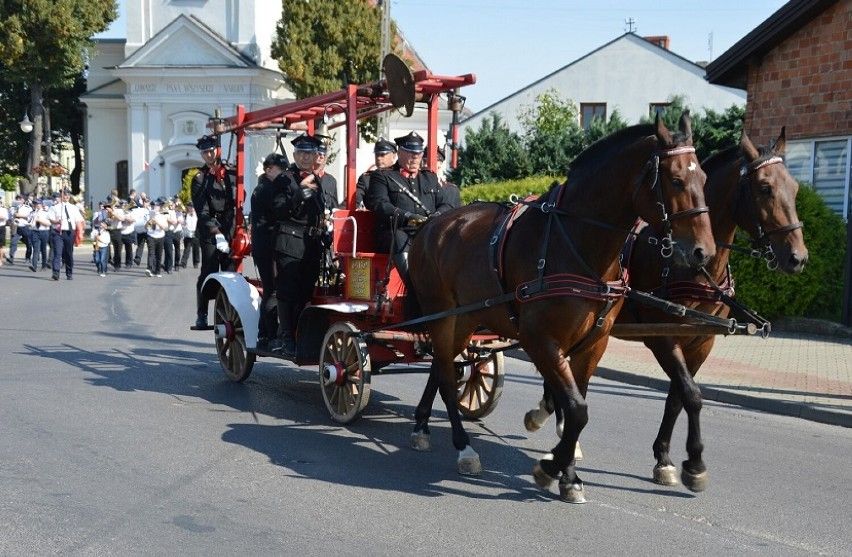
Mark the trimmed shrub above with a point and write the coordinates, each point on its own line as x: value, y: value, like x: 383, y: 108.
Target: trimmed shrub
x: 816, y: 292
x: 500, y: 191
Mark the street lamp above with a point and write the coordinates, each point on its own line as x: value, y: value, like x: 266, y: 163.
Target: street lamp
x: 26, y: 124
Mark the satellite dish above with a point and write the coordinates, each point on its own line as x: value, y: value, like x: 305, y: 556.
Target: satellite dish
x: 400, y: 83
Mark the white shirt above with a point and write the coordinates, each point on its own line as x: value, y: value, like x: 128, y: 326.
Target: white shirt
x: 158, y: 231
x: 101, y: 237
x: 22, y: 215
x: 67, y: 214
x: 41, y: 219
x: 190, y: 224
x: 4, y: 216
x: 140, y: 216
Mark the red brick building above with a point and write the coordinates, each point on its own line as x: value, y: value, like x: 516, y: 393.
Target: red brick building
x: 797, y: 69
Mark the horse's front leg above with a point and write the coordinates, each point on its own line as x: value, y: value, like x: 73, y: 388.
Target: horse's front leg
x: 534, y: 419
x: 683, y: 392
x: 557, y: 374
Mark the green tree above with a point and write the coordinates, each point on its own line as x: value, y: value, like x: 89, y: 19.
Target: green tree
x: 44, y: 44
x: 324, y: 45
x: 492, y: 152
x: 711, y: 131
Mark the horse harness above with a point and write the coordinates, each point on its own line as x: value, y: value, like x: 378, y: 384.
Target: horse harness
x: 760, y: 246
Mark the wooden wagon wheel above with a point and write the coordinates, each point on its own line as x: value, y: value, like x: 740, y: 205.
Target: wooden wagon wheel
x: 479, y: 384
x: 344, y: 372
x: 236, y: 360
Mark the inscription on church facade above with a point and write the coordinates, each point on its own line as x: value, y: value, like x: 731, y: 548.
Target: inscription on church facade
x: 189, y: 88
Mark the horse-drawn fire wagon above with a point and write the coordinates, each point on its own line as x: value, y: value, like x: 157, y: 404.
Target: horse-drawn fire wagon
x: 349, y: 327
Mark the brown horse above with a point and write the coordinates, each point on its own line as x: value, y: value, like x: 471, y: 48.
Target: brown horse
x: 746, y: 188
x: 558, y: 259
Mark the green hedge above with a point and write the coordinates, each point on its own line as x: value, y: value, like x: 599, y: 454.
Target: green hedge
x: 500, y: 191
x: 816, y: 292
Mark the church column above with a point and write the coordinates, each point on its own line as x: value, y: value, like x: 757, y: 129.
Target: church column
x: 137, y: 154
x: 154, y: 173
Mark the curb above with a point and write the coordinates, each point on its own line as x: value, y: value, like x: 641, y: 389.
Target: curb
x: 801, y: 410
x: 819, y: 327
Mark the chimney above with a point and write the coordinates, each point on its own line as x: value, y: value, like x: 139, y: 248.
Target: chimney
x: 661, y: 41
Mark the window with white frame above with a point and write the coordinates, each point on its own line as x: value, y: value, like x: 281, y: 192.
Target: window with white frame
x: 825, y: 164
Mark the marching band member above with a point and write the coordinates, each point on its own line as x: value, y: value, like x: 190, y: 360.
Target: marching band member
x: 190, y: 237
x: 156, y: 227
x: 64, y: 218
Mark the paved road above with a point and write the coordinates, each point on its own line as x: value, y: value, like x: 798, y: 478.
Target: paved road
x: 120, y: 435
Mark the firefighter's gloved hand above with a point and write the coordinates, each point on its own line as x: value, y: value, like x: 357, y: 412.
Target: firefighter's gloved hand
x: 222, y: 243
x: 307, y: 193
x: 416, y: 221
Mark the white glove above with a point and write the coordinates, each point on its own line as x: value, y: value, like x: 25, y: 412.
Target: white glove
x: 222, y: 244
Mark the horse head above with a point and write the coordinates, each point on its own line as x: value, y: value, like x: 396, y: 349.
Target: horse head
x: 670, y: 197
x: 767, y: 207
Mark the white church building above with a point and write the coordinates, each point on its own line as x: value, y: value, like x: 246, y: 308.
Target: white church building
x: 150, y: 95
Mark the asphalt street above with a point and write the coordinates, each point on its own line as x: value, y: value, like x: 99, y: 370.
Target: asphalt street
x: 121, y: 435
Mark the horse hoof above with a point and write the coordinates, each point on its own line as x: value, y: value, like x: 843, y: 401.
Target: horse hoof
x: 531, y: 421
x: 421, y: 441
x: 578, y: 452
x: 665, y: 475
x: 572, y: 493
x: 468, y: 462
x: 541, y: 478
x: 695, y: 482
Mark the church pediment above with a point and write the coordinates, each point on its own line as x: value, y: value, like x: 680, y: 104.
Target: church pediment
x: 185, y: 42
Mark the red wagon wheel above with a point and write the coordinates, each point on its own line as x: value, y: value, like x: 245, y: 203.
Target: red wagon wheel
x: 344, y: 372
x: 479, y: 384
x: 236, y: 360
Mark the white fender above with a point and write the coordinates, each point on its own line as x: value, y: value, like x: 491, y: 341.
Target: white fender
x: 243, y: 296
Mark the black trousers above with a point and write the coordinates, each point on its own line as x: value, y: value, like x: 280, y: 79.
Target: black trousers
x: 212, y: 261
x: 264, y: 260
x: 128, y: 241
x: 191, y: 243
x: 294, y: 284
x: 115, y: 243
x: 63, y: 251
x: 141, y: 242
x: 155, y: 254
x: 169, y: 249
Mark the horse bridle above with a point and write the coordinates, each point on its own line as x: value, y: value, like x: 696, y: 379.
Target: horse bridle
x: 667, y: 243
x: 761, y: 247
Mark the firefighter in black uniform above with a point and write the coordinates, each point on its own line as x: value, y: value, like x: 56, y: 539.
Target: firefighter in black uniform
x: 385, y: 153
x: 213, y: 198
x: 404, y: 196
x: 301, y: 198
x: 263, y: 245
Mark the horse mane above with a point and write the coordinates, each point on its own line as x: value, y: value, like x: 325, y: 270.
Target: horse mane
x: 729, y: 153
x: 610, y: 146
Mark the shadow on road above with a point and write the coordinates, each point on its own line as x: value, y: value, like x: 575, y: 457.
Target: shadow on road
x: 373, y: 453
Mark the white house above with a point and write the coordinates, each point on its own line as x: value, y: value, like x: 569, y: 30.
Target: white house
x: 150, y: 95
x: 630, y: 74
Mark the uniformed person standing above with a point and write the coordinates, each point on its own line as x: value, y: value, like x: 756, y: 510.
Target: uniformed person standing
x: 301, y: 197
x: 262, y: 220
x: 385, y: 153
x: 404, y: 196
x: 213, y: 198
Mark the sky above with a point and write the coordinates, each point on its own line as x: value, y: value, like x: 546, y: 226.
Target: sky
x: 509, y: 44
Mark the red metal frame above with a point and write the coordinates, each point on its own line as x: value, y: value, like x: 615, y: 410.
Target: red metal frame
x: 356, y: 103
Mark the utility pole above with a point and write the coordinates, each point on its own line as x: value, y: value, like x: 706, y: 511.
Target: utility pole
x: 384, y: 122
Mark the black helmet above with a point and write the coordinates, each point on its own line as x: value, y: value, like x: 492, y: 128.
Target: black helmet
x: 276, y: 159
